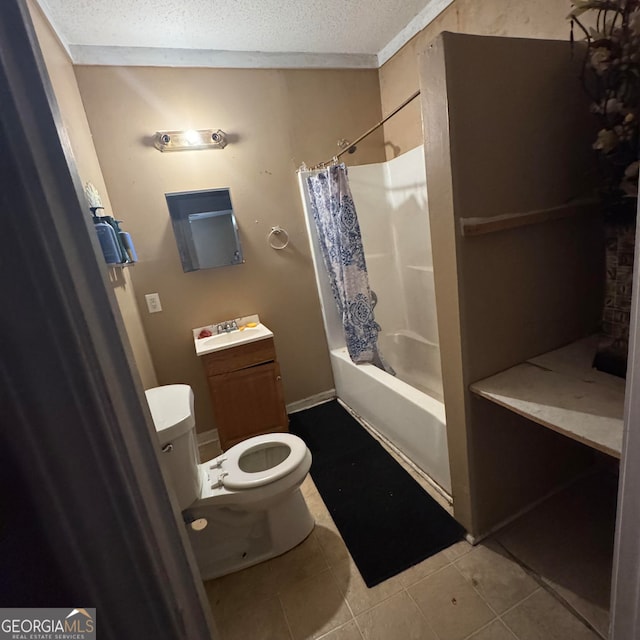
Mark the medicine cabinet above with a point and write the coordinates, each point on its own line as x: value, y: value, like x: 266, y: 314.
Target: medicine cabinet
x: 205, y: 228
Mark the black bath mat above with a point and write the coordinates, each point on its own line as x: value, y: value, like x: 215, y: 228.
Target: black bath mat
x: 388, y: 522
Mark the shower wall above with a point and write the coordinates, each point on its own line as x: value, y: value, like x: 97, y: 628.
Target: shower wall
x: 391, y: 202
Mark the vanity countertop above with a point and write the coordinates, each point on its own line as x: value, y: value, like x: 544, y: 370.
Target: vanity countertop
x: 250, y: 329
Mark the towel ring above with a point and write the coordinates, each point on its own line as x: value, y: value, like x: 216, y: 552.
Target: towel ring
x: 278, y: 238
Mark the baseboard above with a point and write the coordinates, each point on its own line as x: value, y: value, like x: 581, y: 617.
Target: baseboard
x: 311, y: 401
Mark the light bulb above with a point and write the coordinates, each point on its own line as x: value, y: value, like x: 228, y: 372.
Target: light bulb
x: 192, y: 137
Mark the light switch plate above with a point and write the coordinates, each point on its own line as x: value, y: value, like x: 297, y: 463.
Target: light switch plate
x: 153, y: 302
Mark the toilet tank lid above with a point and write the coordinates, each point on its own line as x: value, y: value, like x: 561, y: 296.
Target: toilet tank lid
x: 171, y: 408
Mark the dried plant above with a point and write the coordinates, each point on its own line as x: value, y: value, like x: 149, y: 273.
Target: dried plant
x: 611, y: 78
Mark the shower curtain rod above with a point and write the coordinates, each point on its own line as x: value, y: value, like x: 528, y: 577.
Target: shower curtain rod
x: 369, y: 132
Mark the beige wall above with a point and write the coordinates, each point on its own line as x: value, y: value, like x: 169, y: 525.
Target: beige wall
x: 74, y: 118
x: 515, y: 18
x: 275, y: 120
x: 505, y: 133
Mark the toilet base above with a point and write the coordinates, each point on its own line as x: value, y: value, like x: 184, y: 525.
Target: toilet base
x: 236, y: 538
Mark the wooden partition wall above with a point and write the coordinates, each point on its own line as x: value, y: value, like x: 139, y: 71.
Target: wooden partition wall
x: 517, y: 248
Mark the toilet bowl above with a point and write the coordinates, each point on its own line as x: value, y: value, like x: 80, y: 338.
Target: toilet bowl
x: 243, y: 506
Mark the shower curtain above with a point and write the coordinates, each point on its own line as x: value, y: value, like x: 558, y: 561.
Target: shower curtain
x: 341, y: 244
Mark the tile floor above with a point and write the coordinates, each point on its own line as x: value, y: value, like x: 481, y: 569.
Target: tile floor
x: 464, y: 592
x: 568, y: 542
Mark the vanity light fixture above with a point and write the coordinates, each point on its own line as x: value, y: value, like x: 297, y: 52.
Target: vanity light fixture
x: 190, y: 139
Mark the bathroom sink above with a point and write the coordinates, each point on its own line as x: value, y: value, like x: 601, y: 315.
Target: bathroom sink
x: 219, y: 341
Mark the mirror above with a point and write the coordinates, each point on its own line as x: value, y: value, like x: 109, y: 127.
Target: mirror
x: 215, y: 239
x: 205, y: 229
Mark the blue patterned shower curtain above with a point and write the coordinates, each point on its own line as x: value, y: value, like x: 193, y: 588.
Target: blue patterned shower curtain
x: 341, y: 244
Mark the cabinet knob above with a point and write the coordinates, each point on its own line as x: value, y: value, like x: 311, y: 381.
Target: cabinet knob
x: 278, y: 377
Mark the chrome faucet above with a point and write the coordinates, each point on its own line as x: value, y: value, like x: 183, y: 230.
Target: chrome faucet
x: 226, y: 327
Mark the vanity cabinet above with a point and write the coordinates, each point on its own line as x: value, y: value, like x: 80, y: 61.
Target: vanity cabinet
x: 246, y: 391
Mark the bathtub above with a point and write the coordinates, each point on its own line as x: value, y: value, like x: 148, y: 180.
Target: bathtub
x: 412, y: 421
x: 405, y: 410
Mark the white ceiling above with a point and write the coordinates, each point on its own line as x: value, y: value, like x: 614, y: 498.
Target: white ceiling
x: 238, y: 33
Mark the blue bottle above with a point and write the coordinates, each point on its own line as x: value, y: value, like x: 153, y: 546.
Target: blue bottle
x: 125, y: 238
x: 125, y: 241
x: 108, y: 241
x: 114, y: 225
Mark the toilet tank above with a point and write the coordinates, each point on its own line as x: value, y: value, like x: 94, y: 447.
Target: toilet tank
x: 171, y: 408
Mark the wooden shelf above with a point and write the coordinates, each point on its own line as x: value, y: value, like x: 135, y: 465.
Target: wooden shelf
x: 491, y: 224
x: 560, y: 390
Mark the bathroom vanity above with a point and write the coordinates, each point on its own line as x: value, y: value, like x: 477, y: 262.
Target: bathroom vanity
x: 244, y: 382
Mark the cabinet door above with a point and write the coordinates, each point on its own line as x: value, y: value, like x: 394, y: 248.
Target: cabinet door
x: 248, y: 402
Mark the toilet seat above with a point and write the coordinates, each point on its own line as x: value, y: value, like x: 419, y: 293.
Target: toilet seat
x: 231, y: 463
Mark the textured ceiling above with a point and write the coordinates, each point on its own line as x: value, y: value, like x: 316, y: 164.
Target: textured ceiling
x: 363, y: 32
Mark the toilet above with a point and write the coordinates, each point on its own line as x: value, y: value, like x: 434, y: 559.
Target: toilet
x: 245, y: 505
